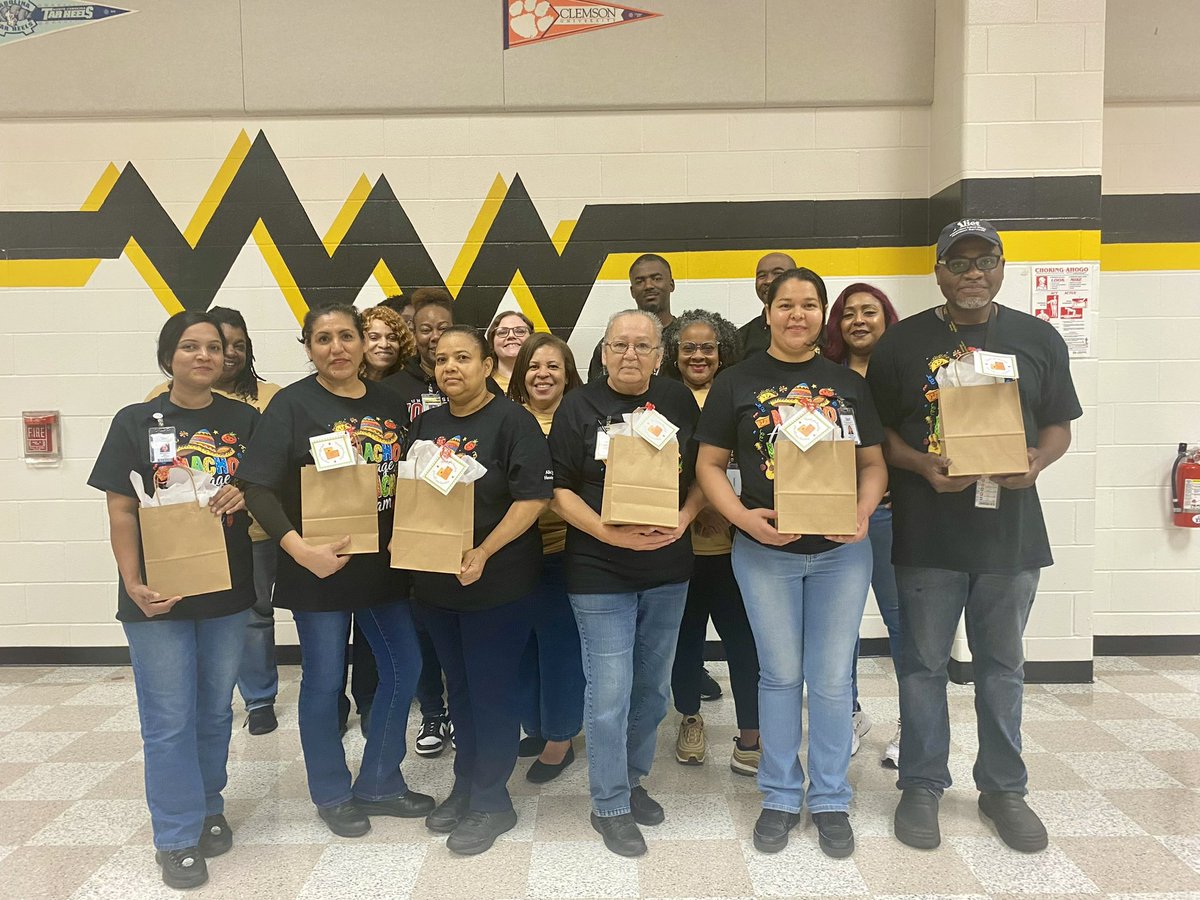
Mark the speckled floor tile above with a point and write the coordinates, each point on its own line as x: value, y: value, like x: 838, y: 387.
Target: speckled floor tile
x: 1080, y: 736
x: 108, y: 693
x: 14, y: 717
x: 1095, y: 706
x: 67, y: 718
x: 1000, y: 869
x: 1182, y: 765
x: 1129, y: 864
x: 34, y: 873
x: 86, y: 675
x: 707, y: 868
x: 801, y: 869
x: 1160, y: 811
x: 22, y: 819
x: 1171, y: 706
x: 889, y: 867
x: 1142, y: 683
x: 1081, y: 814
x: 1151, y: 734
x: 1117, y: 664
x: 26, y: 674
x: 501, y: 872
x: 1118, y: 770
x: 286, y: 822
x: 34, y: 746
x: 693, y: 817
x: 102, y: 746
x: 98, y: 822
x: 577, y: 869
x: 365, y: 870
x: 58, y: 781
x: 41, y: 694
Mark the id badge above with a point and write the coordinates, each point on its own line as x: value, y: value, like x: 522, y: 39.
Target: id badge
x: 163, y: 444
x: 430, y: 401
x: 601, y: 444
x: 987, y: 494
x: 849, y: 428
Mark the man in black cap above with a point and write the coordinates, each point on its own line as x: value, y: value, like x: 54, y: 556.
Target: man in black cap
x: 956, y: 546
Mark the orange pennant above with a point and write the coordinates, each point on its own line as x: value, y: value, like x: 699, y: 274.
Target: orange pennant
x: 534, y: 21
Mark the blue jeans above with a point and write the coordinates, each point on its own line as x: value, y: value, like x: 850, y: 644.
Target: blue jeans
x: 389, y: 628
x: 997, y: 608
x: 551, y: 676
x: 805, y: 611
x: 883, y: 582
x: 183, y: 671
x: 628, y: 643
x: 258, y: 679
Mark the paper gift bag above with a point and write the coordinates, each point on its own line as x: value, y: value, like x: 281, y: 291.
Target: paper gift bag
x: 340, y: 502
x: 183, y: 547
x: 816, y: 490
x: 641, y: 484
x: 982, y: 429
x: 432, y: 531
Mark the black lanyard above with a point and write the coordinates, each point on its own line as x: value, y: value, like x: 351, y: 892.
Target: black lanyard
x: 963, y: 348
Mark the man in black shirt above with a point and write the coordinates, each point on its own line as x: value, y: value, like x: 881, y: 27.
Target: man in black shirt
x: 755, y: 335
x: 954, y: 547
x: 651, y: 285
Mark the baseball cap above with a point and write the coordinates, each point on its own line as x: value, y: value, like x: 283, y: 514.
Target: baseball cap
x: 964, y: 228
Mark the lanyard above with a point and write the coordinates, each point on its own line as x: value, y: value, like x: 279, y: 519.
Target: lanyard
x: 992, y: 316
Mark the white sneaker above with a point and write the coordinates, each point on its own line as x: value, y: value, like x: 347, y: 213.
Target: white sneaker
x: 891, y: 754
x: 862, y: 724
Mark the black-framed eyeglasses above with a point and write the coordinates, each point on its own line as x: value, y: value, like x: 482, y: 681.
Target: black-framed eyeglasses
x: 960, y: 265
x: 622, y: 347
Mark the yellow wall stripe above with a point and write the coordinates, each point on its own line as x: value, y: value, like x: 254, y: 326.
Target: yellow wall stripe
x: 346, y: 215
x: 220, y: 184
x: 562, y: 234
x: 1145, y: 257
x: 283, y: 276
x: 151, y: 276
x: 470, y: 248
x: 39, y: 273
x: 520, y: 289
x: 386, y: 280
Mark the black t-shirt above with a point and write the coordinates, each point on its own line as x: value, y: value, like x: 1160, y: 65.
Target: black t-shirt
x: 279, y: 451
x: 741, y: 414
x: 213, y: 440
x: 594, y: 567
x: 947, y: 531
x: 508, y: 441
x: 755, y: 336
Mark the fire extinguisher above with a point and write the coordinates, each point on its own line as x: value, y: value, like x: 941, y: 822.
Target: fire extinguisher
x: 1185, y: 488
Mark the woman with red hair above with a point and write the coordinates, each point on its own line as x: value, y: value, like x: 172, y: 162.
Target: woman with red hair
x: 857, y: 320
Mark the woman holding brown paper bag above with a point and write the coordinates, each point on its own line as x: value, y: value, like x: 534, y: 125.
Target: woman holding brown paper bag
x: 323, y: 589
x: 185, y: 651
x: 480, y: 619
x: 804, y: 594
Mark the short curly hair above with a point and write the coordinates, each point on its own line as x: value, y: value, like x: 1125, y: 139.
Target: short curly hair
x: 729, y: 344
x: 392, y: 319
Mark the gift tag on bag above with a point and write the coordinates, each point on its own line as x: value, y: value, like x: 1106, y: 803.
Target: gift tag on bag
x: 987, y: 494
x: 654, y: 428
x: 332, y: 451
x: 806, y: 429
x: 998, y: 365
x: 444, y: 471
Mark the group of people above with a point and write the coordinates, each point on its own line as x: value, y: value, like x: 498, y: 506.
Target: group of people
x: 558, y: 622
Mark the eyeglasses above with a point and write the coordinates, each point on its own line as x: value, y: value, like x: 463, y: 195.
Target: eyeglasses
x: 960, y: 265
x: 708, y: 348
x: 622, y: 347
x: 515, y: 331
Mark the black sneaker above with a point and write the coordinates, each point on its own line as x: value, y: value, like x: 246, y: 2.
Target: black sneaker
x: 410, y: 805
x: 182, y: 869
x: 345, y: 819
x: 834, y: 833
x: 646, y: 810
x: 431, y: 740
x: 445, y: 818
x: 216, y: 838
x: 916, y: 819
x: 709, y: 689
x: 1018, y: 825
x: 261, y: 720
x: 621, y: 834
x: 478, y: 831
x: 771, y: 829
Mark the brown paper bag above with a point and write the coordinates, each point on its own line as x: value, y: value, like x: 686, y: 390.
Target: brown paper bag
x: 982, y: 429
x: 183, y: 547
x: 340, y: 502
x: 816, y: 490
x: 641, y: 484
x: 432, y: 531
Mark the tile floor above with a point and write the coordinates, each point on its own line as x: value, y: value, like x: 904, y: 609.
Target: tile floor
x: 1115, y: 772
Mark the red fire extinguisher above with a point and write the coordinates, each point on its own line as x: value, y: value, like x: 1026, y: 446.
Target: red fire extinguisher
x: 1185, y: 488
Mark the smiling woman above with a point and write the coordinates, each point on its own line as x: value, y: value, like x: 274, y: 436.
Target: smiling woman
x: 506, y: 334
x: 389, y: 343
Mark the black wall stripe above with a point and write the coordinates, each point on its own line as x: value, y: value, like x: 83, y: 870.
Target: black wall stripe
x: 1151, y: 218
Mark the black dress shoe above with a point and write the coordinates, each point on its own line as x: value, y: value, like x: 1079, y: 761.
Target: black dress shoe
x: 621, y: 834
x: 646, y: 810
x: 410, y: 805
x: 916, y: 819
x: 771, y: 829
x: 709, y: 689
x: 1018, y: 825
x: 834, y: 833
x: 530, y: 746
x: 345, y: 819
x: 182, y: 869
x: 216, y: 837
x: 261, y: 720
x: 448, y: 814
x: 540, y: 772
x: 478, y: 831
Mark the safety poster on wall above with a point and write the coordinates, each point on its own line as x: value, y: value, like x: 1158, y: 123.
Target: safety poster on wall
x: 1065, y: 296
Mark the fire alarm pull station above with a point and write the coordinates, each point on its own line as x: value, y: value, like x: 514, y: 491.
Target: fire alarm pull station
x: 43, y: 437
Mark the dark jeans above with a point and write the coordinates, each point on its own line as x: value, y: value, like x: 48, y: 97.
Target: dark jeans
x: 389, y: 628
x: 713, y: 591
x: 481, y: 652
x: 551, y: 674
x: 430, y: 687
x: 997, y: 608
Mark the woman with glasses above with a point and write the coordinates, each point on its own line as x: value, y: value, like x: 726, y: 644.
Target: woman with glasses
x: 627, y: 583
x: 506, y: 334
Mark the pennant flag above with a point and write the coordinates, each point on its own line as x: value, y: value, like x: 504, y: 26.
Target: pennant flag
x: 535, y: 21
x: 20, y: 19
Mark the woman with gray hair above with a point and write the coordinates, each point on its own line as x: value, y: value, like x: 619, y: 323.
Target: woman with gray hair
x: 627, y: 583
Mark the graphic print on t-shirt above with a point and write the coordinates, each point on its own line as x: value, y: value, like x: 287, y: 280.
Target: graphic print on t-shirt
x: 378, y: 443
x: 767, y: 403
x: 202, y: 452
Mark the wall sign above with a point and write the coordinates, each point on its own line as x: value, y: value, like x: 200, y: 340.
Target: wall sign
x: 535, y: 21
x: 1065, y: 296
x: 20, y: 19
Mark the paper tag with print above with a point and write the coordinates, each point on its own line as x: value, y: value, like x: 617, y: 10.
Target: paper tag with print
x: 163, y: 444
x: 654, y: 428
x: 806, y: 429
x: 332, y: 451
x: 444, y: 471
x: 987, y: 494
x: 849, y: 427
x: 998, y: 365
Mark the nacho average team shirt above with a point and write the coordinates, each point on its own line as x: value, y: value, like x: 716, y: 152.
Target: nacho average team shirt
x: 212, y: 440
x: 278, y: 452
x: 742, y: 414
